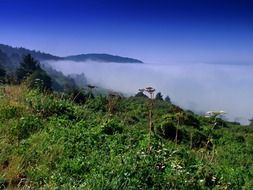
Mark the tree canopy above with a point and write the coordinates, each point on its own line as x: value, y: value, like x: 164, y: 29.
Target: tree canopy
x: 39, y: 79
x: 36, y: 77
x: 141, y: 94
x: 167, y: 99
x: 27, y: 67
x: 159, y: 96
x: 2, y: 74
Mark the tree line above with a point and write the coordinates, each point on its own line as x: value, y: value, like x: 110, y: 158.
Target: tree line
x: 29, y: 71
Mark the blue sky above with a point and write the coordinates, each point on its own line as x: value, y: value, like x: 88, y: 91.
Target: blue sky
x: 155, y: 31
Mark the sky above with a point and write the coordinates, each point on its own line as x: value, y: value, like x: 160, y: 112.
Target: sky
x: 154, y: 31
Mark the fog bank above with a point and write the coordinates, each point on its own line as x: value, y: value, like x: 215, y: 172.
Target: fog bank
x: 199, y: 87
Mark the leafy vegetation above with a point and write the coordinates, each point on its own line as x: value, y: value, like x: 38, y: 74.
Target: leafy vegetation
x: 2, y: 75
x: 16, y: 63
x: 50, y: 140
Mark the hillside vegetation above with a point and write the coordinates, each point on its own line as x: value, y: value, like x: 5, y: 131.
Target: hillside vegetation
x: 48, y: 141
x: 10, y: 57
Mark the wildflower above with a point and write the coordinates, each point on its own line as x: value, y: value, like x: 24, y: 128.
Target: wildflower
x: 213, y: 179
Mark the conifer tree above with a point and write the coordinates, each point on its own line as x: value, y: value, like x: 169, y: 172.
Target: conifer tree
x: 2, y: 74
x: 167, y: 99
x: 159, y: 96
x: 27, y: 67
x: 31, y: 71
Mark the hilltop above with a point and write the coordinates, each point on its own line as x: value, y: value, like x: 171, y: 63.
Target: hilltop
x: 102, y: 58
x: 10, y: 57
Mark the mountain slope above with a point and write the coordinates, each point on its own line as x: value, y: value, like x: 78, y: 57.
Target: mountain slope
x: 10, y: 58
x: 15, y: 55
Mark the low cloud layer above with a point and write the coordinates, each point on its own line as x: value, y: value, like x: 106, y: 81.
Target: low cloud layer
x: 200, y: 87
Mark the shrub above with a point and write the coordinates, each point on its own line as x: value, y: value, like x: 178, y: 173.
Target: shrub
x: 50, y: 105
x: 26, y: 127
x: 168, y: 129
x: 199, y: 139
x: 77, y: 96
x: 3, y: 183
x: 40, y: 80
x: 99, y: 103
x: 191, y: 120
x: 111, y: 127
x: 8, y: 112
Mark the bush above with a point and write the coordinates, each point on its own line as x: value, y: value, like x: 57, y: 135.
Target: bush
x: 111, y: 127
x: 8, y: 112
x: 50, y: 105
x: 3, y: 183
x: 26, y: 127
x: 99, y: 103
x: 168, y: 129
x: 40, y: 80
x: 77, y: 96
x: 191, y: 120
x: 198, y: 139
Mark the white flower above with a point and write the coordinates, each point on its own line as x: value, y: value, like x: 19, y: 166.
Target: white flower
x: 213, y: 178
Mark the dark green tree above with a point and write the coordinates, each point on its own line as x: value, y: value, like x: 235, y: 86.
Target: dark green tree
x: 77, y: 95
x: 141, y: 94
x: 251, y: 122
x: 167, y: 99
x: 27, y: 67
x: 39, y: 79
x: 31, y: 71
x: 2, y: 75
x: 159, y: 96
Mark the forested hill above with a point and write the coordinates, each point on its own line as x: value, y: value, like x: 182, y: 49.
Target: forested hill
x: 102, y: 58
x: 11, y: 56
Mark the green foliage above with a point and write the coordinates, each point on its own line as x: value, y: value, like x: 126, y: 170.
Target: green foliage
x: 2, y: 74
x: 198, y: 139
x: 26, y: 126
x: 159, y: 96
x: 77, y: 95
x: 191, y: 120
x: 9, y: 112
x: 111, y: 127
x: 167, y: 99
x: 167, y: 130
x: 141, y: 94
x: 47, y: 141
x: 27, y: 67
x: 35, y: 76
x: 50, y: 105
x: 98, y: 104
x: 40, y: 80
x: 251, y: 122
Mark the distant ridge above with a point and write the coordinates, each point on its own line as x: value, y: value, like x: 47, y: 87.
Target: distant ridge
x: 15, y: 54
x: 102, y: 58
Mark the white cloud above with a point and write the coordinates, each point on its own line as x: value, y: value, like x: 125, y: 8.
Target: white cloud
x: 200, y: 87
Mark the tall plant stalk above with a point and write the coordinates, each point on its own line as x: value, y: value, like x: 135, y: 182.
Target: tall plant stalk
x: 151, y: 91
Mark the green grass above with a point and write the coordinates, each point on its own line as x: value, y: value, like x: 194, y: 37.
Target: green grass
x: 49, y: 142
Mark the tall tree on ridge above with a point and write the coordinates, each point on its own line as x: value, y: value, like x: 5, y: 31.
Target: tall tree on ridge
x: 27, y: 67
